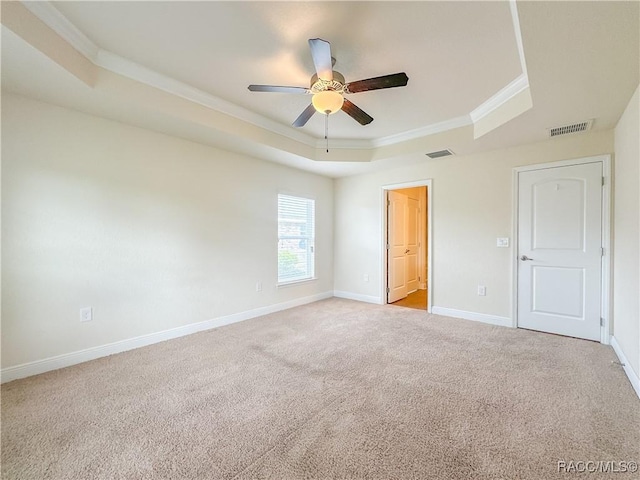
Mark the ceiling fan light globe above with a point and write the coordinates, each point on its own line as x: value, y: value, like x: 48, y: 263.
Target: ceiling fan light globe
x: 327, y: 102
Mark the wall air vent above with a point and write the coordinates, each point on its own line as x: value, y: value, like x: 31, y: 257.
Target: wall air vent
x: 439, y: 153
x: 569, y: 129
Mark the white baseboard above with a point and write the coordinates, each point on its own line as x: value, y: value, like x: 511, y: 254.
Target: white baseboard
x: 477, y: 317
x: 631, y: 375
x: 66, y: 360
x: 358, y: 297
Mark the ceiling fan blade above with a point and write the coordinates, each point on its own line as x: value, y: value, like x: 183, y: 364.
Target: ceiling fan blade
x: 386, y: 81
x: 356, y: 113
x: 321, y: 53
x: 305, y: 116
x: 277, y: 89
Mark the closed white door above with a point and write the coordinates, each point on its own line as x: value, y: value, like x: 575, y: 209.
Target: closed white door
x: 397, y: 250
x: 413, y: 224
x: 560, y: 250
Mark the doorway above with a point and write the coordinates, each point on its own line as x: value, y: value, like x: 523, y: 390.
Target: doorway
x: 562, y: 231
x: 406, y: 232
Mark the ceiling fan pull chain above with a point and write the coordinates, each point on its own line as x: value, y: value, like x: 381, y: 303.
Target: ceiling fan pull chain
x: 326, y: 128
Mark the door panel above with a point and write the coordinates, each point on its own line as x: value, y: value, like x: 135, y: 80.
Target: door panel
x: 413, y: 223
x: 398, y: 278
x: 397, y: 238
x: 544, y: 299
x: 558, y: 214
x: 559, y: 250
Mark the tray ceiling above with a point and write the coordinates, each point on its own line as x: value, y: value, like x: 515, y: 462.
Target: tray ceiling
x: 222, y: 47
x: 482, y: 75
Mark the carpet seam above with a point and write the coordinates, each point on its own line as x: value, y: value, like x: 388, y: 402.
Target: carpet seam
x: 292, y: 432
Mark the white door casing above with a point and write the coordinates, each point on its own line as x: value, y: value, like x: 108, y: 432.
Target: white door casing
x: 424, y: 241
x: 428, y: 238
x: 560, y: 250
x: 397, y: 240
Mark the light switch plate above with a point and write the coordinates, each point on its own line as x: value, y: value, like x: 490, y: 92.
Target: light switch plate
x: 502, y: 242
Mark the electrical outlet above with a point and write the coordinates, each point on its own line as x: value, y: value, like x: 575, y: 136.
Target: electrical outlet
x: 86, y: 314
x: 482, y: 290
x: 258, y: 286
x: 365, y: 277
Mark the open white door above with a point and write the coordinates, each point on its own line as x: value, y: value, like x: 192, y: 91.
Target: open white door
x: 397, y: 247
x: 560, y: 250
x: 413, y: 239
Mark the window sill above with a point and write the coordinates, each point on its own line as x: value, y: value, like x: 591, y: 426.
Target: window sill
x: 296, y: 282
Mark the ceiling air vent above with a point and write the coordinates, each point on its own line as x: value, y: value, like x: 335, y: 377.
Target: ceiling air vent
x: 439, y: 153
x: 569, y: 129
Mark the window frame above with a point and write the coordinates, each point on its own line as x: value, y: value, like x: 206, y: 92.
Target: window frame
x: 309, y: 238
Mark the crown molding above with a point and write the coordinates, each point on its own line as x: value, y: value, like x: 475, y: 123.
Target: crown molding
x: 122, y: 66
x: 520, y: 83
x: 432, y: 129
x: 500, y: 98
x: 518, y: 33
x: 55, y: 20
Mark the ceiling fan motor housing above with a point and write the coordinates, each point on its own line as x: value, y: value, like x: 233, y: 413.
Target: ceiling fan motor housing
x: 337, y: 84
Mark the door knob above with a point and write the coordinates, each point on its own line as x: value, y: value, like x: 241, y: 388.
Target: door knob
x: 524, y: 258
x: 406, y: 251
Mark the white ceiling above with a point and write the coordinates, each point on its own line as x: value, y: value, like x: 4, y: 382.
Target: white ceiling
x: 581, y: 60
x: 222, y: 47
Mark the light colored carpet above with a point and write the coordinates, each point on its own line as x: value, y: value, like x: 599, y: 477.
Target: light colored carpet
x: 417, y: 299
x: 334, y: 389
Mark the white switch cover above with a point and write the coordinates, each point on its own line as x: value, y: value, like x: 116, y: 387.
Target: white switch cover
x: 482, y: 290
x: 258, y: 286
x: 365, y: 277
x: 502, y: 242
x: 86, y: 314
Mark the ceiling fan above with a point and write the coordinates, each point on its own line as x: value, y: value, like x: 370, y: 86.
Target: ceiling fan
x: 328, y: 87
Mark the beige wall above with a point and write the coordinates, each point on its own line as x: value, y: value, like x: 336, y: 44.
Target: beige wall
x: 156, y: 232
x: 472, y: 205
x: 152, y: 231
x: 626, y: 236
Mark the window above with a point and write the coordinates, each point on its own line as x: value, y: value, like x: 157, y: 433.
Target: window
x: 296, y: 238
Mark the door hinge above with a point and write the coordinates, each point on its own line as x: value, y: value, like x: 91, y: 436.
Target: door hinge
x: 388, y: 290
x: 387, y: 246
x: 601, y: 322
x: 603, y: 181
x: 602, y: 251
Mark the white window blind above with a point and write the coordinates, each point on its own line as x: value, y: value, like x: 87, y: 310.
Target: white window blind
x: 296, y: 238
